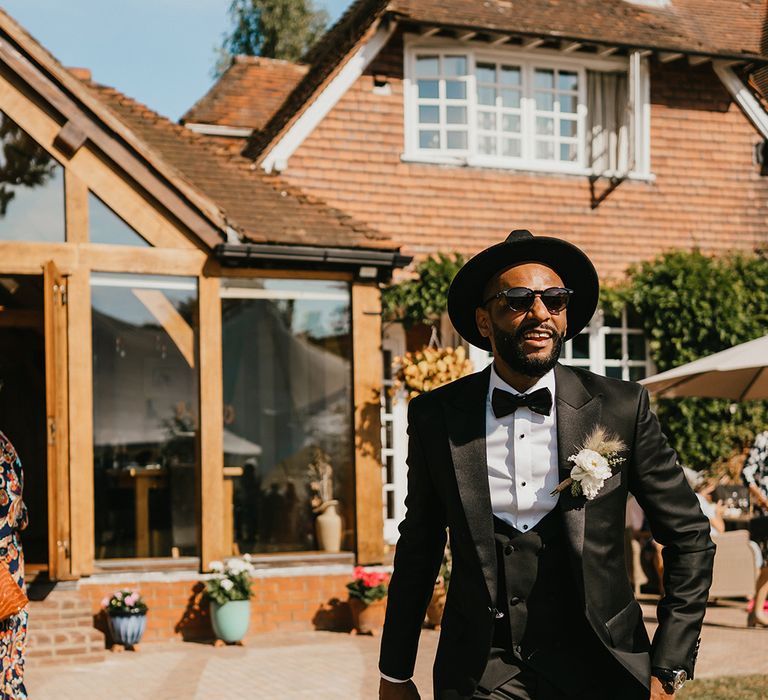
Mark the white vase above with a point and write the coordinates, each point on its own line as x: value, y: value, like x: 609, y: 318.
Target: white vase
x: 328, y: 527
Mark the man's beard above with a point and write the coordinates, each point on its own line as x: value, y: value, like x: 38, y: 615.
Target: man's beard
x: 509, y: 346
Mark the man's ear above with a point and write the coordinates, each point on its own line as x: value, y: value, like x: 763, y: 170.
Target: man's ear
x: 483, y: 322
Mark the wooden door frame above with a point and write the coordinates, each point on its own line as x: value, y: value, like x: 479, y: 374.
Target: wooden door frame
x: 57, y: 421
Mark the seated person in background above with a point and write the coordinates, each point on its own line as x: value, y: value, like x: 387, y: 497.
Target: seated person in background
x: 713, y: 511
x: 755, y: 471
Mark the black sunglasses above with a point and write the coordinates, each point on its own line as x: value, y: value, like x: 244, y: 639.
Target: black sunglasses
x: 522, y: 298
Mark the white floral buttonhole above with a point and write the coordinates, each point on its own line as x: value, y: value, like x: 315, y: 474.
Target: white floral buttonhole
x: 593, y: 464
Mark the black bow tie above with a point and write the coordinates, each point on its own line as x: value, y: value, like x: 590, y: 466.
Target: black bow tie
x: 504, y: 402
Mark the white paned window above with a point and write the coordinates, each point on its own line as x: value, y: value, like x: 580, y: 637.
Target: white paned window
x: 442, y: 82
x: 614, y: 346
x: 527, y: 110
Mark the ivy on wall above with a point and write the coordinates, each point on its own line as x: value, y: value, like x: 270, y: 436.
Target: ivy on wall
x: 424, y: 298
x: 693, y: 305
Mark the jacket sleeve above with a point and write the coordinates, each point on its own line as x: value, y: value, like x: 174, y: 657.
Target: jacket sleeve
x: 418, y: 556
x: 677, y: 522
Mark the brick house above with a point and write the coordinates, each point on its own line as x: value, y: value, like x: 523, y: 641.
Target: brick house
x: 181, y: 335
x: 626, y: 126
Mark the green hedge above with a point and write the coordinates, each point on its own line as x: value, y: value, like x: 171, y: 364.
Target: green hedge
x: 692, y: 305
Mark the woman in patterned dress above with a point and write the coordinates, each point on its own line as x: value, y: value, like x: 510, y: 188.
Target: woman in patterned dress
x: 13, y: 517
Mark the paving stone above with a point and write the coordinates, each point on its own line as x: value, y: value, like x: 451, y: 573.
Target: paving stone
x: 320, y: 665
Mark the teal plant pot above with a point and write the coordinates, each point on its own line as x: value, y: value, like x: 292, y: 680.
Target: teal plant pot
x: 231, y: 620
x: 127, y: 629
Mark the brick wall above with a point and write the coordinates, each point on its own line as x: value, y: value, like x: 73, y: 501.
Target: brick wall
x: 707, y: 191
x: 177, y: 609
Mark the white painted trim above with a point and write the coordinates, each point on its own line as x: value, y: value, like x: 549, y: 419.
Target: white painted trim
x: 744, y: 98
x: 637, y: 67
x: 219, y: 129
x: 277, y: 156
x: 500, y: 164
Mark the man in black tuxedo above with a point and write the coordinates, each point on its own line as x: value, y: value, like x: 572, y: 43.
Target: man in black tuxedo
x: 539, y: 605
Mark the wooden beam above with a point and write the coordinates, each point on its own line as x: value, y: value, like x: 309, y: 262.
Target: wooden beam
x: 607, y: 50
x: 429, y: 31
x: 71, y: 138
x: 532, y: 43
x: 466, y: 36
x: 150, y: 261
x: 215, y: 543
x: 698, y: 60
x: 499, y: 40
x: 81, y: 494
x: 669, y: 56
x: 23, y: 258
x: 570, y: 46
x: 367, y: 388
x: 76, y: 192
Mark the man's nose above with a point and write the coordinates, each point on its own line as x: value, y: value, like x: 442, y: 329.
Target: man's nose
x: 539, y: 309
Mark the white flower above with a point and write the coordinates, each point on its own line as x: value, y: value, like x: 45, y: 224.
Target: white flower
x: 226, y: 584
x: 590, y: 470
x: 236, y: 566
x: 216, y: 566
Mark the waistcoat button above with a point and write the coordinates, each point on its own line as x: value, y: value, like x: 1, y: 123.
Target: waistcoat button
x: 514, y: 600
x: 509, y: 549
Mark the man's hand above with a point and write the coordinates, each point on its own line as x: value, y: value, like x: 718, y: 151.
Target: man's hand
x: 657, y: 690
x: 398, y: 691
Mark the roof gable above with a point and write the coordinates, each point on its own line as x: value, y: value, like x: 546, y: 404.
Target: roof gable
x: 247, y: 94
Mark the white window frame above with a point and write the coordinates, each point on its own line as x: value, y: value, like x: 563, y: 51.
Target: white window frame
x: 638, y: 89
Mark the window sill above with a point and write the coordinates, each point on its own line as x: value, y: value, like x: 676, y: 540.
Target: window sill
x: 191, y: 565
x: 464, y: 162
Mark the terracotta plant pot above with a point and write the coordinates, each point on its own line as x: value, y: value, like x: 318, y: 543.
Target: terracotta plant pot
x: 367, y: 619
x: 436, y: 606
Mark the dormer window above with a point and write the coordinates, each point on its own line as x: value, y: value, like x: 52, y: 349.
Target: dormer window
x: 534, y: 110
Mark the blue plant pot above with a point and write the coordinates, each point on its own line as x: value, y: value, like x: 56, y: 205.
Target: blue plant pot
x: 127, y: 629
x: 231, y: 620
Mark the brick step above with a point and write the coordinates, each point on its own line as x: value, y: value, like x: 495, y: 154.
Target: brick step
x: 66, y: 646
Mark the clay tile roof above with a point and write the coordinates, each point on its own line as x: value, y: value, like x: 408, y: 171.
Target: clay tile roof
x: 712, y: 27
x: 248, y: 93
x: 262, y: 208
x: 726, y: 28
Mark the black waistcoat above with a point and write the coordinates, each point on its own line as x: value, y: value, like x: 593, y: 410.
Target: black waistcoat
x: 540, y: 621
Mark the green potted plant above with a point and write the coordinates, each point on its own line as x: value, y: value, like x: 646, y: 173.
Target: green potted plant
x: 229, y: 593
x: 127, y: 618
x: 367, y: 600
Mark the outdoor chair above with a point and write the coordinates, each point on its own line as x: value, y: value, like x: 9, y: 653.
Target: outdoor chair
x: 735, y: 570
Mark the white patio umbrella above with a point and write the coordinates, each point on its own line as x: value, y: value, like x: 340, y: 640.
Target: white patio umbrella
x: 738, y: 373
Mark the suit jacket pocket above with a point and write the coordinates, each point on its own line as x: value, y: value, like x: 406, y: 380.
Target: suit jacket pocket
x: 622, y: 626
x: 610, y: 484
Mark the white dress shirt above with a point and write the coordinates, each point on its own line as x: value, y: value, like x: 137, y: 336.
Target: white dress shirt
x: 521, y: 449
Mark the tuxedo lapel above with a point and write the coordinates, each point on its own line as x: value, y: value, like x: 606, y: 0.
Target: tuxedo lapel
x: 465, y: 420
x: 578, y: 412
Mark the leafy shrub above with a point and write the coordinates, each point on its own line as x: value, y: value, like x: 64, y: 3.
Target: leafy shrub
x: 693, y: 305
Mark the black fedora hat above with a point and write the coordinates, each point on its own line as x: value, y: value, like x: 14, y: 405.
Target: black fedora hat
x: 569, y: 262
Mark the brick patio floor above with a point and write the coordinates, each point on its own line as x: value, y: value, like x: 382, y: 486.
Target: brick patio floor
x: 319, y: 665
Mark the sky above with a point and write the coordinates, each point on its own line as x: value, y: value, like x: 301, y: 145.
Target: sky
x: 159, y: 52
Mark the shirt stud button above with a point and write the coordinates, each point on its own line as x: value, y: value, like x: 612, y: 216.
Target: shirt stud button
x: 522, y: 436
x: 523, y: 484
x: 525, y: 527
